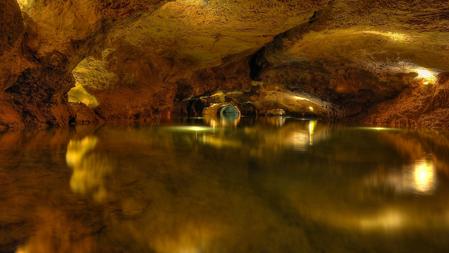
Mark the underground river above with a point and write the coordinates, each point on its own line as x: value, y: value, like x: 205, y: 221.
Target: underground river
x: 274, y: 185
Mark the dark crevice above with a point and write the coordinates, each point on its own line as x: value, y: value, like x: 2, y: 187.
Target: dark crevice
x: 257, y: 63
x: 259, y: 60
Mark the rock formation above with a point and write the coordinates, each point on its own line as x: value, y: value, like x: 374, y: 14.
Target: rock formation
x: 377, y: 62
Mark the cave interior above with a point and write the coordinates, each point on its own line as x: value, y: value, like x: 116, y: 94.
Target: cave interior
x: 377, y: 62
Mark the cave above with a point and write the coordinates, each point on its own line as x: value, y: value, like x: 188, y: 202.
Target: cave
x: 172, y: 126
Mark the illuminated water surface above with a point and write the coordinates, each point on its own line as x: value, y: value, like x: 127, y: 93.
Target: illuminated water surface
x: 272, y: 186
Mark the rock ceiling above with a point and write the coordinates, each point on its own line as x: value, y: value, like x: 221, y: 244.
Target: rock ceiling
x: 139, y: 57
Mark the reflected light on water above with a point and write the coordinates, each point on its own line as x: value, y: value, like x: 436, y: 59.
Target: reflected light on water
x: 311, y: 128
x: 419, y: 177
x: 89, y: 169
x: 220, y: 142
x: 77, y: 149
x: 222, y: 191
x: 215, y: 122
x: 424, y: 176
x: 191, y: 129
x: 276, y: 121
x: 388, y: 220
x: 300, y: 139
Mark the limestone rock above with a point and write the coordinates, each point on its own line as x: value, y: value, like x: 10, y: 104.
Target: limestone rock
x: 141, y: 59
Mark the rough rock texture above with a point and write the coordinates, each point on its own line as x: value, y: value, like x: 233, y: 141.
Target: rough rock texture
x: 11, y: 32
x: 184, y: 48
x: 141, y: 59
x: 39, y: 52
x: 359, y: 53
x: 415, y: 107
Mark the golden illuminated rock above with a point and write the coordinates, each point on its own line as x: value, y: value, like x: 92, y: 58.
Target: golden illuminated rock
x: 142, y: 59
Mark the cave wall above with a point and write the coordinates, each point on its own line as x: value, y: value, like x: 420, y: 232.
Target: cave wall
x: 148, y: 65
x: 12, y: 62
x: 142, y: 59
x: 41, y: 42
x: 415, y: 107
x: 365, y: 56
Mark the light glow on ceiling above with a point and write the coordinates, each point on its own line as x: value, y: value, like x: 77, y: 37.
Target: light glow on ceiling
x: 426, y: 75
x: 24, y: 4
x: 390, y: 35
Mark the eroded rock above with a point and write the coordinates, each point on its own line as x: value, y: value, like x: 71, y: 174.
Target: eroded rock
x: 142, y: 59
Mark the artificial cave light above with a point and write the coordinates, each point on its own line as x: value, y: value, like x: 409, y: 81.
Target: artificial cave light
x: 427, y: 76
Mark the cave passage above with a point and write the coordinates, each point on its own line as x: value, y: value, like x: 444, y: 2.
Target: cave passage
x: 203, y: 126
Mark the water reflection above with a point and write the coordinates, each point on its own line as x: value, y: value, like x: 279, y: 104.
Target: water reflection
x: 300, y: 139
x: 277, y: 121
x: 56, y: 232
x: 420, y: 177
x: 298, y: 135
x: 302, y: 187
x: 424, y: 176
x: 77, y: 149
x: 387, y: 220
x: 89, y: 169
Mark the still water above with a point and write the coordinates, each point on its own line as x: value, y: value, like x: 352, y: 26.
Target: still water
x: 270, y: 186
